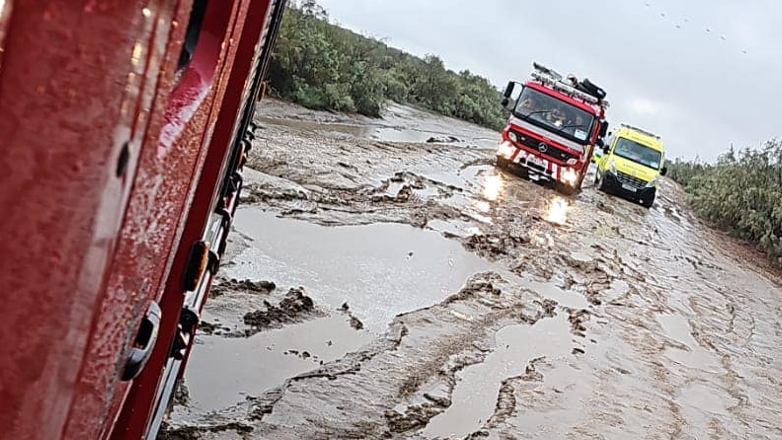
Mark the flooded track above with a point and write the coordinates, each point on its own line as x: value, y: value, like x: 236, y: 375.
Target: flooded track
x: 381, y: 286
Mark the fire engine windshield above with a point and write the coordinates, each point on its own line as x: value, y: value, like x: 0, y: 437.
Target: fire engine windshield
x: 554, y: 115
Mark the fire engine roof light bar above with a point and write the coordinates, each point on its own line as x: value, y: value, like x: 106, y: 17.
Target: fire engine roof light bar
x: 564, y: 88
x: 646, y: 132
x: 553, y: 79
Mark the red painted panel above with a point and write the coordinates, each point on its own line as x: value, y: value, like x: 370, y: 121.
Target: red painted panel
x: 68, y: 84
x: 82, y: 84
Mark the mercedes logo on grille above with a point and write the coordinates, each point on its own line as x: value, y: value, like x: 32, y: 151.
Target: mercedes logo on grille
x: 542, y: 147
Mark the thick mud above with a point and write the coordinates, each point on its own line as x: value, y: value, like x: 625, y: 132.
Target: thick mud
x: 382, y: 286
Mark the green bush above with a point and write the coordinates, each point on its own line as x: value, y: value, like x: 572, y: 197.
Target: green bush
x: 323, y: 66
x: 740, y: 193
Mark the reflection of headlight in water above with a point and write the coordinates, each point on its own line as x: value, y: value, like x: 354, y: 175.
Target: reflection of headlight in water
x: 569, y: 176
x: 557, y: 211
x: 483, y: 206
x: 492, y: 187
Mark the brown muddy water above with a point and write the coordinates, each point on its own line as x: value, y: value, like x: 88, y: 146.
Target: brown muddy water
x: 379, y: 270
x: 380, y: 286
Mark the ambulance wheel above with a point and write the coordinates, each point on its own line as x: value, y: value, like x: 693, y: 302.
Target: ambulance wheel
x: 601, y: 184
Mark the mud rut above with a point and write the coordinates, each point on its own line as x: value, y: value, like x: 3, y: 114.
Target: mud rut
x: 591, y: 317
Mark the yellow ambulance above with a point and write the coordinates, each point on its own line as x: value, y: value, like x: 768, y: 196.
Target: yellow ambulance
x: 631, y: 165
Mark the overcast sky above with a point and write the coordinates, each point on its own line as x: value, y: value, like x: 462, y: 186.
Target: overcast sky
x: 701, y: 73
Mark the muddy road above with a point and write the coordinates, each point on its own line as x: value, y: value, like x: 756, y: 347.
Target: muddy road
x: 382, y: 286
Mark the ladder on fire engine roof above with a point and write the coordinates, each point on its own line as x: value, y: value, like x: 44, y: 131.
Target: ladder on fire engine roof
x: 554, y: 79
x: 646, y: 132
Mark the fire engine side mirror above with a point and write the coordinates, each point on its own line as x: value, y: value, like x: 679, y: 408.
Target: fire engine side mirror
x: 510, y: 95
x: 600, y: 143
x: 663, y: 171
x: 603, y: 129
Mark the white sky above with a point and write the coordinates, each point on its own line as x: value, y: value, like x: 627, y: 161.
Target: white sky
x: 696, y: 88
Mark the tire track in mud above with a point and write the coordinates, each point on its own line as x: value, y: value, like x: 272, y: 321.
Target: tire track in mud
x: 670, y: 337
x: 415, y: 363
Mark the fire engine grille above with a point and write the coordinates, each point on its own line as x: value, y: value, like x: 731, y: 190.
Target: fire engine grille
x: 551, y: 150
x: 538, y: 168
x: 630, y: 180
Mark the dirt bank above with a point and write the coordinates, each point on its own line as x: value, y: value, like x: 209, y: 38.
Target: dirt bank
x: 490, y: 306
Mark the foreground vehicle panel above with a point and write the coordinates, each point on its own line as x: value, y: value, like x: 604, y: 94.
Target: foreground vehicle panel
x: 122, y: 129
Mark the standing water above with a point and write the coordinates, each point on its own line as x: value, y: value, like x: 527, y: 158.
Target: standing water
x: 380, y: 270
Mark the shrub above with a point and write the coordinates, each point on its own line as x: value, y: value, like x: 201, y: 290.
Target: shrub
x: 740, y: 193
x: 323, y: 66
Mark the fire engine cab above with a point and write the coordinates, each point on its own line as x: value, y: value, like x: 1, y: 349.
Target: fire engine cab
x: 554, y: 126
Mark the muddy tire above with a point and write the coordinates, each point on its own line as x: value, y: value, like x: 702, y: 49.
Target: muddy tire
x: 601, y: 184
x: 502, y: 163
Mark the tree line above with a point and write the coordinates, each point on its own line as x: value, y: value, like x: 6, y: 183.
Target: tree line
x: 741, y: 193
x: 322, y: 66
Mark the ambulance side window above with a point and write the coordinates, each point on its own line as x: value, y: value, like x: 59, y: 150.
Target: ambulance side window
x: 609, y: 143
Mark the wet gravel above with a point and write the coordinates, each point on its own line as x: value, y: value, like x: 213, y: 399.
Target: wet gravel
x: 476, y: 304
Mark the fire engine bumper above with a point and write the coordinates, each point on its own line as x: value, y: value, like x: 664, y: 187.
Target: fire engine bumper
x: 517, y: 159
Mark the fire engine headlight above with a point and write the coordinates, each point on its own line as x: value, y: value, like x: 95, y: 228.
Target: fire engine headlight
x: 506, y: 150
x: 569, y: 176
x: 572, y: 161
x: 653, y: 183
x: 512, y: 136
x: 612, y: 166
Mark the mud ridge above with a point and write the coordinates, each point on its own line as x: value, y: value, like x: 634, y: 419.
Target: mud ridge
x: 295, y: 306
x: 243, y: 286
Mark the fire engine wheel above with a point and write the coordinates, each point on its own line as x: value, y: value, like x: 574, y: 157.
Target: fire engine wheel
x: 567, y: 189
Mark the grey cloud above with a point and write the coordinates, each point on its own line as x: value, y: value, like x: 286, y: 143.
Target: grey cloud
x: 700, y: 92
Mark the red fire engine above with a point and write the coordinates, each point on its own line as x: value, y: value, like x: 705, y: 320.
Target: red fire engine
x: 554, y: 126
x: 123, y: 130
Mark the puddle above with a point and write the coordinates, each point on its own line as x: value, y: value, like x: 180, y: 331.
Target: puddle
x: 394, y: 188
x: 456, y: 227
x: 381, y: 270
x: 582, y: 257
x: 477, y: 387
x: 700, y: 404
x: 472, y: 177
x: 373, y: 132
x: 677, y: 328
x: 618, y: 289
x: 448, y: 178
x: 565, y: 298
x: 557, y: 211
x: 704, y: 398
x: 256, y: 364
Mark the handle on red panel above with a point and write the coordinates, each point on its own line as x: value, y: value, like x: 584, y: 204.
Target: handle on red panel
x: 144, y: 343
